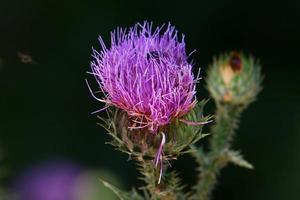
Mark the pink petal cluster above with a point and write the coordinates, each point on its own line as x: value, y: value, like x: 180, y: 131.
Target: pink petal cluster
x: 146, y: 73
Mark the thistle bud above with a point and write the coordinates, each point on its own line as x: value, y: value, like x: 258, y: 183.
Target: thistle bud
x: 234, y: 78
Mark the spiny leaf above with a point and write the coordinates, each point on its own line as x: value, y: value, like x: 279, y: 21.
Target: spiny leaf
x: 121, y: 194
x: 236, y: 158
x: 205, y: 135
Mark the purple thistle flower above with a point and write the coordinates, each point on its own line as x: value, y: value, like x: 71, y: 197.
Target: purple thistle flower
x: 145, y: 72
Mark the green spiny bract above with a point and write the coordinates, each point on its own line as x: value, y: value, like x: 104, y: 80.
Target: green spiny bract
x: 234, y: 78
x: 141, y: 142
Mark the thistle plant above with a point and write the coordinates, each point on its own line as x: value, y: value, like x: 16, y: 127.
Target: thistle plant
x: 234, y: 80
x: 149, y: 95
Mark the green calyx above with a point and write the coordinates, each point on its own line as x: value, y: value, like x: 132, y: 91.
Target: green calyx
x: 141, y: 142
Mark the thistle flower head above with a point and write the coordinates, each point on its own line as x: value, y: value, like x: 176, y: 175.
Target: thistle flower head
x: 145, y: 72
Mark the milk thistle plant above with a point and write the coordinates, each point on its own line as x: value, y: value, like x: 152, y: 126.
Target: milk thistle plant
x: 152, y: 112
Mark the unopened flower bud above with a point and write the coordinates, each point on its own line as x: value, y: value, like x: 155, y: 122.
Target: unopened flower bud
x: 234, y: 79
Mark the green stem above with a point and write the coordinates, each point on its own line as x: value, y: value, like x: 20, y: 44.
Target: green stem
x: 150, y: 176
x: 227, y: 118
x: 148, y: 171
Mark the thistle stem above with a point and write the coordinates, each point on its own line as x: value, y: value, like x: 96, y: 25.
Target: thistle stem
x: 156, y: 191
x: 211, y: 163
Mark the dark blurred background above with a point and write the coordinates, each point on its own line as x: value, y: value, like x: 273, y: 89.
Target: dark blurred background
x: 45, y: 106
